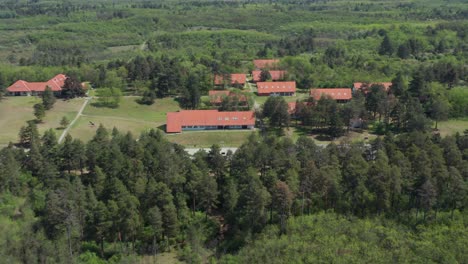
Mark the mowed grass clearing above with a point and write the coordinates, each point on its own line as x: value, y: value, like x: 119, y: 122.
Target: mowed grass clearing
x: 227, y: 138
x: 130, y: 109
x: 16, y: 111
x: 452, y: 126
x: 128, y: 117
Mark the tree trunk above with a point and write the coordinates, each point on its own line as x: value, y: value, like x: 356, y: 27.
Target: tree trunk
x: 154, y: 245
x: 69, y: 241
x: 102, y: 246
x: 193, y: 206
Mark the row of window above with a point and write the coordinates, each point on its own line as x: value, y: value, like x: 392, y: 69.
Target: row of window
x: 277, y: 87
x: 232, y: 118
x: 214, y: 127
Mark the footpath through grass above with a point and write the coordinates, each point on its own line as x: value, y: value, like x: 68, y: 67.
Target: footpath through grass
x: 16, y: 111
x: 129, y: 116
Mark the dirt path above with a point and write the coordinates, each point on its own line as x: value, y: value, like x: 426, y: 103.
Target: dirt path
x: 256, y: 104
x: 65, y: 131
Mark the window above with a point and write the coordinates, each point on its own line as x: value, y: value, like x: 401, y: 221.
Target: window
x: 226, y: 118
x: 235, y: 118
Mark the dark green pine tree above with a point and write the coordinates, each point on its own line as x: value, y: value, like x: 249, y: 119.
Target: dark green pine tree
x: 9, y: 172
x: 282, y: 199
x: 253, y: 201
x: 335, y: 125
x: 39, y: 112
x: 48, y: 98
x: 154, y: 226
x: 386, y: 47
x: 355, y: 171
x: 398, y: 86
x: 404, y: 51
x: 265, y: 76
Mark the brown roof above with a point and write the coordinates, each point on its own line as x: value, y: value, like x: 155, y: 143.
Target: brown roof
x: 276, y: 75
x: 264, y: 64
x: 175, y: 120
x: 334, y: 93
x: 276, y: 87
x: 235, y: 78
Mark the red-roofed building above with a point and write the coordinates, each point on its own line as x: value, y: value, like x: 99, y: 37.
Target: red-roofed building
x: 357, y: 86
x: 266, y: 64
x: 186, y: 120
x: 236, y: 79
x: 276, y: 88
x: 275, y: 75
x: 341, y: 95
x: 36, y: 88
x: 292, y: 108
x: 217, y: 96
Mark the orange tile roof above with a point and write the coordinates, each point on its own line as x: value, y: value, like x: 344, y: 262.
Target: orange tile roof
x: 360, y: 85
x: 292, y: 107
x: 276, y: 87
x: 263, y: 64
x: 175, y: 120
x: 216, y: 96
x: 275, y: 75
x: 55, y: 84
x: 334, y: 93
x: 235, y: 78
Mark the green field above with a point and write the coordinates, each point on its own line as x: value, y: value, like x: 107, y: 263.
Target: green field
x: 129, y: 116
x: 452, y: 126
x: 16, y: 111
x: 208, y: 138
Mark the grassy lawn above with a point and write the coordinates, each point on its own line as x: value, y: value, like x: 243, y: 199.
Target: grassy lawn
x: 16, y: 111
x: 295, y: 132
x: 232, y: 138
x: 129, y: 116
x: 452, y: 126
x: 130, y: 109
x: 83, y: 130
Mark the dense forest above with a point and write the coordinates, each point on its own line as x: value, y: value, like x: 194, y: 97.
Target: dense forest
x: 116, y: 197
x: 123, y: 198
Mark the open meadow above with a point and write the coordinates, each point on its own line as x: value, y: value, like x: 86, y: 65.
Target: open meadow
x: 129, y: 116
x: 16, y: 111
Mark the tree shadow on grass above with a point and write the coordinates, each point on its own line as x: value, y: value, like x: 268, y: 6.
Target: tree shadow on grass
x: 320, y: 134
x: 105, y: 105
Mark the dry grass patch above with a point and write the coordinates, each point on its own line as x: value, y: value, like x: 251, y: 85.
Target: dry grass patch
x: 16, y: 111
